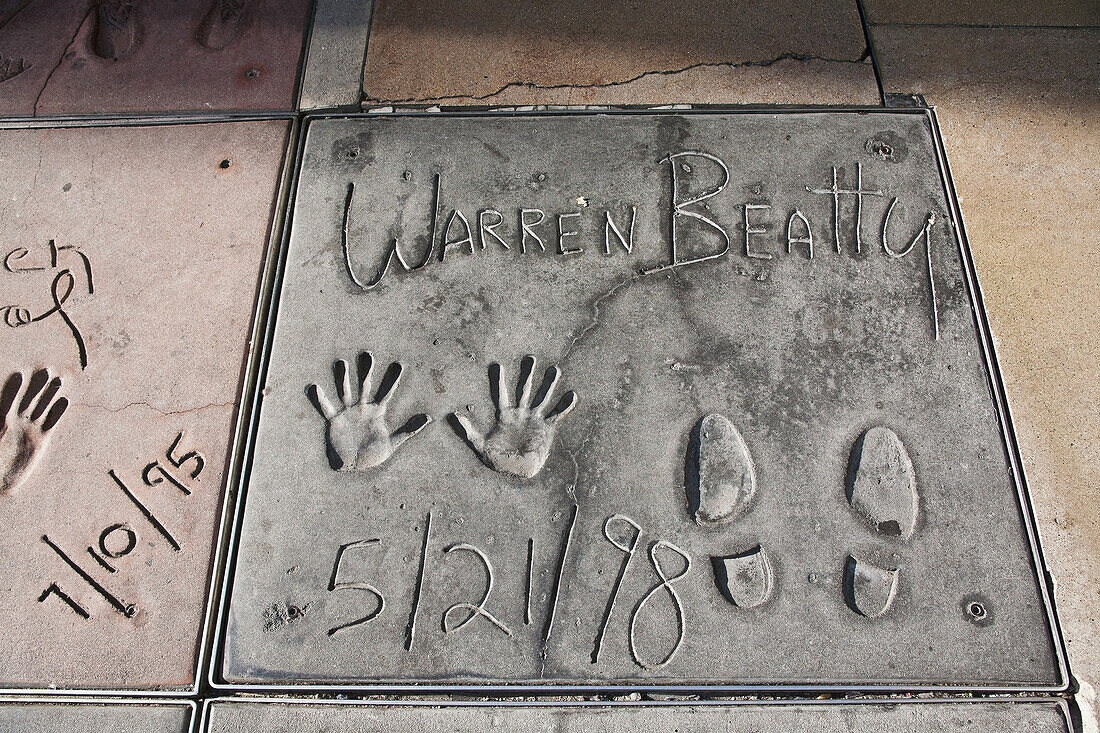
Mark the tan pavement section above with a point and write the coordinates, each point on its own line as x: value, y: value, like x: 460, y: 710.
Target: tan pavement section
x: 1020, y: 115
x: 580, y: 52
x: 985, y: 12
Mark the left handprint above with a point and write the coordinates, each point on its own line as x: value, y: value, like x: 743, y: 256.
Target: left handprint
x: 357, y: 434
x: 27, y: 415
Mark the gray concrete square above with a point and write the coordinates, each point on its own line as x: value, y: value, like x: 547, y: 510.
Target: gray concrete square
x: 771, y: 456
x: 912, y: 717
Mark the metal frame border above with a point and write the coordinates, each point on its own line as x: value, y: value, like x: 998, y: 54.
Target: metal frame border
x: 216, y: 681
x: 193, y: 722
x: 278, y: 218
x: 1062, y: 705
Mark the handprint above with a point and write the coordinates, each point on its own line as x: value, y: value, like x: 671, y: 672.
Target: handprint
x: 25, y: 424
x: 519, y: 443
x: 357, y: 433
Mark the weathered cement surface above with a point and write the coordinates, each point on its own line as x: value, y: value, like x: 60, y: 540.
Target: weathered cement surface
x: 173, y: 242
x: 232, y: 717
x: 333, y: 76
x: 250, y: 62
x: 338, y: 576
x: 1020, y: 115
x: 61, y: 717
x: 984, y: 13
x: 576, y: 52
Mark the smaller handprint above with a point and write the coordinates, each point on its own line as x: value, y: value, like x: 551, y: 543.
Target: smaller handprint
x: 357, y: 434
x: 27, y: 415
x: 519, y: 442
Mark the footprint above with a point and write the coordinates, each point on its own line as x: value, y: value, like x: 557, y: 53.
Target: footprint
x: 222, y: 23
x: 11, y: 67
x: 116, y: 31
x: 868, y: 589
x: 882, y: 485
x: 721, y: 486
x: 882, y: 489
x: 746, y: 579
x: 721, y: 477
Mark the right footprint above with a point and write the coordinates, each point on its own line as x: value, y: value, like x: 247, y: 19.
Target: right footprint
x: 882, y: 489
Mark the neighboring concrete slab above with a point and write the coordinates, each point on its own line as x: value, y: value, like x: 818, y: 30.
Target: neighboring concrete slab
x: 784, y: 465
x: 117, y: 717
x: 131, y: 257
x: 1020, y: 120
x: 912, y: 717
x: 985, y: 12
x: 579, y: 52
x: 337, y: 47
x: 122, y: 56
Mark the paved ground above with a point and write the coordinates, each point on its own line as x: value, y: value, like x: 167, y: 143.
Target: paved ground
x: 1016, y: 87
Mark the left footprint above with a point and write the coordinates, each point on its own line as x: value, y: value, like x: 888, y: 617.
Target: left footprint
x: 746, y: 579
x: 721, y: 487
x: 721, y: 476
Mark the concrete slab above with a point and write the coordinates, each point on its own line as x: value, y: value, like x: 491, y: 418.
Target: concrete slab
x: 574, y: 52
x: 1020, y: 117
x: 337, y: 48
x: 784, y: 465
x: 131, y: 257
x: 119, y: 717
x: 77, y: 57
x: 985, y: 12
x: 1005, y: 717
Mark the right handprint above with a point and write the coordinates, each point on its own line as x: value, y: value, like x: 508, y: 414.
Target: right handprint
x: 28, y: 412
x: 520, y: 440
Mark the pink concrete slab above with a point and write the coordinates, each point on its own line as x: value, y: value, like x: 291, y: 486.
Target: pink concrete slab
x: 55, y: 56
x: 109, y: 527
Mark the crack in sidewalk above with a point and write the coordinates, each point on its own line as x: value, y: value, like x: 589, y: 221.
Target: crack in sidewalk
x: 64, y: 54
x: 105, y: 408
x: 786, y: 56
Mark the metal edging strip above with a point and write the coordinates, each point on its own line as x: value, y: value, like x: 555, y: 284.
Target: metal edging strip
x: 259, y: 356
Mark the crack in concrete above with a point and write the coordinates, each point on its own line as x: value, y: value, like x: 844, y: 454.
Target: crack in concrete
x: 594, y: 319
x: 64, y: 54
x: 786, y: 56
x: 142, y: 403
x: 571, y: 490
